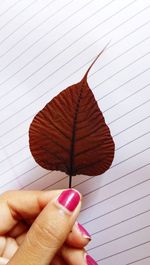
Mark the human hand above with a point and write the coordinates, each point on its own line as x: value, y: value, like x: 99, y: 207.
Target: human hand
x: 35, y: 229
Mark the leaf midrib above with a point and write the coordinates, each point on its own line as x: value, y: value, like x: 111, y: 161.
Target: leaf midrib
x: 74, y: 132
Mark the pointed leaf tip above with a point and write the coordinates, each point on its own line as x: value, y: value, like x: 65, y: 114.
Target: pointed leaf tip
x: 86, y: 74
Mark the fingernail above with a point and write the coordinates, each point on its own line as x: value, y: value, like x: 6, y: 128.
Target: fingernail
x: 83, y: 231
x: 69, y: 199
x: 89, y: 260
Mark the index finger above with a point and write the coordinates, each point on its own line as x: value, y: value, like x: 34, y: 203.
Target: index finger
x: 19, y: 205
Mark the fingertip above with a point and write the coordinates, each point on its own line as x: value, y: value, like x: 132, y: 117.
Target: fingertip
x: 83, y: 231
x: 69, y: 201
x: 78, y: 237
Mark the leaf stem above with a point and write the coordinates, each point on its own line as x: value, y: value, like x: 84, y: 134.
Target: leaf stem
x: 70, y: 181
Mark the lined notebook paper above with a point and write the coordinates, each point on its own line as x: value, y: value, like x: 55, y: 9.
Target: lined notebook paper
x: 45, y: 46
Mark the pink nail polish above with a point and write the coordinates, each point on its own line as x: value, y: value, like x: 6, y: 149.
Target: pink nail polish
x: 83, y: 231
x: 90, y: 260
x: 69, y: 199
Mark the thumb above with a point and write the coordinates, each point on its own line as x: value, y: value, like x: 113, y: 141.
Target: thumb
x: 49, y: 231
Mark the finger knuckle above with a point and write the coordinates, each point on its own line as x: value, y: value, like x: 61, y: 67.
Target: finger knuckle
x: 48, y: 234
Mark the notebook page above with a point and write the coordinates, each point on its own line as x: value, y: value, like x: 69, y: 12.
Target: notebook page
x: 46, y: 46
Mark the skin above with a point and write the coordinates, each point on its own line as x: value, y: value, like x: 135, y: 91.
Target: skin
x: 34, y: 231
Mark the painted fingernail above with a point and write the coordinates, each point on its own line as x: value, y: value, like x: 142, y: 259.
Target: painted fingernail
x: 83, y: 231
x: 89, y: 260
x: 69, y: 199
